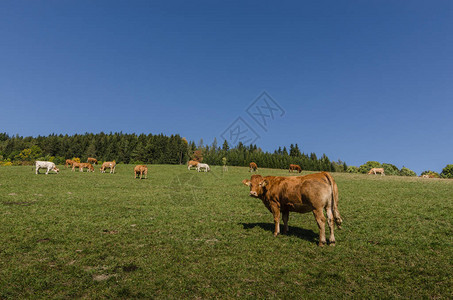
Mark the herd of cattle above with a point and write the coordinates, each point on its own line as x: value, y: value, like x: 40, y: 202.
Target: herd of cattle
x: 281, y: 195
x: 140, y: 170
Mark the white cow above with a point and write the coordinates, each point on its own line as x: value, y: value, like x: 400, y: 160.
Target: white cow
x: 46, y: 165
x: 203, y: 166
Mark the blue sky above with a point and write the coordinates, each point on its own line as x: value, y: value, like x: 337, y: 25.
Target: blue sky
x: 357, y: 80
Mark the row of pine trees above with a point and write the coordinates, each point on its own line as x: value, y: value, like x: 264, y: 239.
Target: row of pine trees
x: 153, y: 149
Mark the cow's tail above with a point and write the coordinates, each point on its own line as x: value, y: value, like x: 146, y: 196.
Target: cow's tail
x: 335, y: 211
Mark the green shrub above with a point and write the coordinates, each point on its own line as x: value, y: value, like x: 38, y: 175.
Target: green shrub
x: 7, y: 163
x: 447, y: 172
x: 365, y: 168
x: 352, y: 169
x: 390, y: 169
x: 407, y: 172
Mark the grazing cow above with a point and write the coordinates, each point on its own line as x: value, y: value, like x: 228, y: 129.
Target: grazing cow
x: 424, y: 176
x: 140, y: 169
x: 376, y: 170
x: 76, y: 165
x: 68, y: 163
x: 203, y: 166
x: 82, y: 165
x: 314, y: 192
x: 46, y: 165
x: 108, y: 164
x: 91, y: 160
x: 192, y: 163
x: 253, y: 167
x: 86, y: 165
x: 295, y: 168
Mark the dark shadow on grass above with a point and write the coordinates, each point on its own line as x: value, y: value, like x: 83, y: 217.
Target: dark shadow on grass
x: 305, y: 234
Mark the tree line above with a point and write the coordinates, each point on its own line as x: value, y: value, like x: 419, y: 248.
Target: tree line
x: 121, y: 147
x: 161, y: 149
x: 155, y: 149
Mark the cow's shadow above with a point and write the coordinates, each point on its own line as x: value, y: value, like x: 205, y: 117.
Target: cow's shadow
x: 305, y: 234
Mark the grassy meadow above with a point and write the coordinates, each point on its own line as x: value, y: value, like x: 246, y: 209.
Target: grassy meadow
x: 183, y: 234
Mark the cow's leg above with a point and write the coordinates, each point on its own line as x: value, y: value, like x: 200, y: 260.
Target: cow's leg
x: 285, y: 217
x: 48, y: 169
x: 276, y: 214
x: 37, y: 170
x: 321, y: 220
x: 330, y: 222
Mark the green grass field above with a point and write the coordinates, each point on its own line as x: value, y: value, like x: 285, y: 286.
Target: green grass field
x: 183, y: 234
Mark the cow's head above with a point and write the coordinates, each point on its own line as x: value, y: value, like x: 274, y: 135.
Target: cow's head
x: 56, y: 170
x: 257, y: 185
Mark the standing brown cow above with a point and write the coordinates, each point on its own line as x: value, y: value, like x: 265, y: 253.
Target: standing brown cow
x: 92, y: 160
x: 76, y: 165
x: 68, y: 163
x: 295, y: 168
x: 108, y: 164
x: 302, y: 194
x: 192, y: 163
x: 142, y: 170
x: 253, y: 167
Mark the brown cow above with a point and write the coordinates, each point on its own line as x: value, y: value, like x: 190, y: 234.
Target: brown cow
x: 88, y: 166
x: 68, y: 163
x: 295, y: 168
x: 376, y: 170
x: 314, y: 192
x: 82, y: 165
x: 108, y: 164
x: 140, y: 169
x: 253, y: 167
x: 76, y: 165
x: 192, y: 163
x: 92, y: 160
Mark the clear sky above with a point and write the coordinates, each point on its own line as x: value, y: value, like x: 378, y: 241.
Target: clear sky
x: 356, y: 80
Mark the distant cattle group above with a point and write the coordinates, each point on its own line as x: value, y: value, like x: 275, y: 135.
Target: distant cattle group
x: 317, y: 193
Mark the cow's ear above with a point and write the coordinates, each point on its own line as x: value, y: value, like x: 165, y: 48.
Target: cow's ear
x: 246, y: 182
x: 264, y: 183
